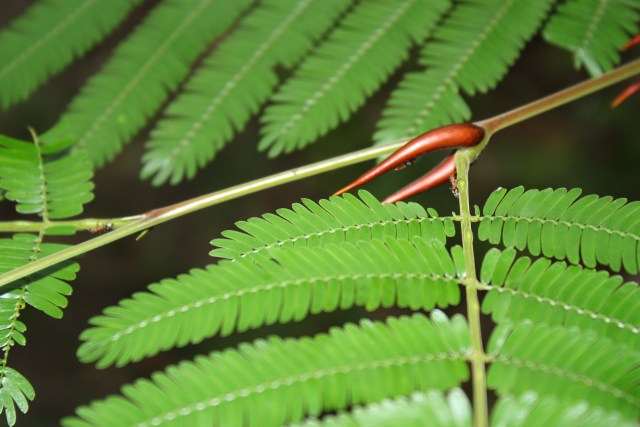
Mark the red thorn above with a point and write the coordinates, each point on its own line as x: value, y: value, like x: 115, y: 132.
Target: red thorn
x: 634, y: 41
x: 452, y: 136
x: 436, y: 176
x: 635, y: 87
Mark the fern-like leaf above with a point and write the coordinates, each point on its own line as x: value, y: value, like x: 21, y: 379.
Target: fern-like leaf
x: 556, y: 223
x: 48, y: 36
x: 46, y: 291
x: 145, y: 68
x: 370, y: 43
x: 233, y: 83
x: 247, y: 294
x: 433, y: 408
x: 347, y: 366
x: 565, y: 363
x: 335, y: 220
x: 594, y: 30
x: 430, y: 408
x: 530, y: 410
x: 472, y: 50
x: 555, y: 294
x: 52, y: 185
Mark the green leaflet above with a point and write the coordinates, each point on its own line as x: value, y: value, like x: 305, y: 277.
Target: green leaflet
x: 559, y: 224
x: 375, y: 255
x: 46, y: 292
x: 347, y: 366
x: 346, y: 69
x: 557, y: 294
x: 594, y: 30
x: 51, y: 184
x: 430, y: 408
x: 234, y: 81
x: 565, y: 363
x: 433, y: 408
x: 48, y: 37
x: 471, y: 50
x: 15, y: 390
x: 531, y: 410
x: 287, y: 286
x: 144, y: 69
x: 335, y: 220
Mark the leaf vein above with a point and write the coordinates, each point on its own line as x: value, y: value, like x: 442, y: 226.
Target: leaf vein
x: 334, y: 230
x: 569, y: 307
x: 142, y: 72
x: 66, y: 22
x: 455, y: 68
x: 291, y: 380
x: 572, y: 376
x: 232, y: 84
x: 267, y: 287
x: 364, y: 48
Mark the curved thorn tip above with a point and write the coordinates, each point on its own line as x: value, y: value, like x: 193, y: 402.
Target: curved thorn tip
x: 634, y: 41
x: 436, y: 176
x: 629, y: 91
x: 452, y: 136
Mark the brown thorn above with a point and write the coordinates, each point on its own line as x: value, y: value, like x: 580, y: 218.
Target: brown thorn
x: 629, y: 91
x: 451, y: 136
x: 436, y: 176
x: 634, y: 41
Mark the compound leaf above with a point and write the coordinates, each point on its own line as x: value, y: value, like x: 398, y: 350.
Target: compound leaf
x: 48, y: 37
x: 148, y: 65
x: 559, y: 224
x: 471, y: 50
x: 328, y: 372
x: 232, y: 84
x: 287, y: 286
x: 334, y: 220
x: 341, y: 73
x: 594, y: 30
x: 556, y: 294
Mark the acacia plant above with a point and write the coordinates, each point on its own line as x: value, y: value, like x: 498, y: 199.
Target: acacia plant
x: 562, y: 347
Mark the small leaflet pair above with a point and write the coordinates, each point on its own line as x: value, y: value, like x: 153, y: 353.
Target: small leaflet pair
x: 453, y: 136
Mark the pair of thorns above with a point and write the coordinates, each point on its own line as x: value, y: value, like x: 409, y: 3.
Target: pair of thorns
x: 456, y: 136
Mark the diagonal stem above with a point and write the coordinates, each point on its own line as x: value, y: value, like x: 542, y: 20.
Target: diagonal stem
x: 138, y: 224
x: 539, y: 106
x: 158, y: 216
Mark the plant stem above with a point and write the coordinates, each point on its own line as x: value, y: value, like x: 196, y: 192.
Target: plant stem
x: 158, y: 216
x: 517, y: 115
x: 77, y: 224
x: 478, y: 373
x: 137, y: 224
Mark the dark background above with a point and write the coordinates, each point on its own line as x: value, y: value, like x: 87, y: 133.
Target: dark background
x: 584, y: 144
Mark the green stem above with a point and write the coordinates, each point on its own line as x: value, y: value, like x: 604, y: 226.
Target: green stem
x: 158, y: 216
x: 77, y: 224
x: 517, y: 115
x: 135, y: 225
x: 477, y: 357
